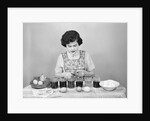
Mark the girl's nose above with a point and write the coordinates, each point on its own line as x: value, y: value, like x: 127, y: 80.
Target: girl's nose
x: 72, y: 48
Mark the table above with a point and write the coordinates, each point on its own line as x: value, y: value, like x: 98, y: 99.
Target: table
x: 120, y: 92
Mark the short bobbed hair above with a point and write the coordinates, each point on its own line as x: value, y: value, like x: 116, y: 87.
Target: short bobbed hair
x: 70, y: 36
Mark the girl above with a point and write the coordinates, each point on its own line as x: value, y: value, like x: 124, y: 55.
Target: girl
x: 73, y: 60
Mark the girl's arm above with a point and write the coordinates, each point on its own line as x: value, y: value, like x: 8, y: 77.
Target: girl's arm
x: 59, y: 71
x: 64, y: 74
x: 85, y: 73
x: 90, y: 67
x: 59, y: 74
x: 59, y: 67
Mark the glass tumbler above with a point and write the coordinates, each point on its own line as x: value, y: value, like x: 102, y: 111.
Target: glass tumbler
x: 54, y: 83
x: 62, y: 82
x: 96, y: 81
x: 79, y: 82
x: 71, y: 82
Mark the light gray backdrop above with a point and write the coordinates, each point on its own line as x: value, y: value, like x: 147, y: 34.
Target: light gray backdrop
x: 105, y: 42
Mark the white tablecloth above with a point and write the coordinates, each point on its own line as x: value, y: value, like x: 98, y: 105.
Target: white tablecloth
x: 120, y: 92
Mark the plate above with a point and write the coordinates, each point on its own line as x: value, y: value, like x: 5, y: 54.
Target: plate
x: 42, y: 92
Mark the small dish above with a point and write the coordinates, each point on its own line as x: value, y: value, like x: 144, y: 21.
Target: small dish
x: 42, y: 92
x: 109, y: 85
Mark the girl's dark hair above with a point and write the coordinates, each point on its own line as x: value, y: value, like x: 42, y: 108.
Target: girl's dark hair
x: 70, y: 36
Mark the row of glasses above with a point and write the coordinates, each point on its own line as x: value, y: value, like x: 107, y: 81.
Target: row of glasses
x: 75, y: 82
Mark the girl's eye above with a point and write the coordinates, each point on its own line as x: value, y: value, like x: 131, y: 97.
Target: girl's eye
x: 72, y: 46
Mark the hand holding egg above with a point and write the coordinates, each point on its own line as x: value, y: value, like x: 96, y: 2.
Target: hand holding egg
x: 67, y: 75
x: 80, y: 73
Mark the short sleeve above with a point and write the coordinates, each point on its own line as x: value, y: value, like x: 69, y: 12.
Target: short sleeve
x: 59, y: 64
x: 89, y: 62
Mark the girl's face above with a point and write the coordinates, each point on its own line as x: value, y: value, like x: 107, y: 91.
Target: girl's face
x: 72, y: 47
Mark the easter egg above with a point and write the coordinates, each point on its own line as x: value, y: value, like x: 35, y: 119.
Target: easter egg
x: 42, y: 77
x: 63, y: 89
x: 35, y: 81
x: 79, y: 89
x: 40, y: 83
x: 86, y: 89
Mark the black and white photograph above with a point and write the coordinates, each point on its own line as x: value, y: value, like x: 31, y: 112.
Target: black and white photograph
x: 75, y: 60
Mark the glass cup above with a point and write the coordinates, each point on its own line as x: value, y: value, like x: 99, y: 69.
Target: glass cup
x: 54, y: 83
x: 96, y: 81
x: 49, y: 83
x: 62, y: 82
x: 88, y: 81
x: 79, y: 82
x: 71, y: 82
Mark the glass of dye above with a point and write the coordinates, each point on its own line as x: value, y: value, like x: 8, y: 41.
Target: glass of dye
x: 96, y: 81
x: 79, y: 81
x: 62, y: 82
x: 88, y: 81
x: 54, y: 83
x: 71, y: 82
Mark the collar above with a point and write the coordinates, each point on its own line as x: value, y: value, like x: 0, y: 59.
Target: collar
x: 75, y: 54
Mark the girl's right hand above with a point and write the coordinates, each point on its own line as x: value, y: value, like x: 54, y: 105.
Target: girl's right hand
x: 67, y: 75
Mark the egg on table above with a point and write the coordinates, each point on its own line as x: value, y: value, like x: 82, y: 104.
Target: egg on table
x: 79, y: 89
x: 63, y: 89
x: 35, y: 81
x: 40, y: 83
x: 86, y: 89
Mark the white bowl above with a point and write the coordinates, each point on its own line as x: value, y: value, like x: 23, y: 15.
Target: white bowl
x: 109, y: 85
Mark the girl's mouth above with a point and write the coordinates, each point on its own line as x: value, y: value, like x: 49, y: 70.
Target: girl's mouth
x: 72, y: 51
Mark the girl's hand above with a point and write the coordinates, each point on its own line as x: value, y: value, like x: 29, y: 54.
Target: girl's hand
x: 80, y: 72
x: 67, y: 75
